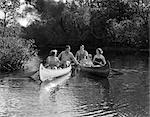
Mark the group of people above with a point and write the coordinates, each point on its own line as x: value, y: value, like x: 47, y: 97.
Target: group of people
x: 81, y: 58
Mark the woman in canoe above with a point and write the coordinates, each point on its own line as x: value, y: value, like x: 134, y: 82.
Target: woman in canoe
x: 67, y: 57
x: 81, y: 55
x: 52, y: 61
x: 99, y: 59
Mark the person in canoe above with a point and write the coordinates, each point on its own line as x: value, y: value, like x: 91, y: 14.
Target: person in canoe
x: 52, y: 61
x: 99, y: 59
x: 67, y: 57
x: 89, y: 61
x: 81, y: 55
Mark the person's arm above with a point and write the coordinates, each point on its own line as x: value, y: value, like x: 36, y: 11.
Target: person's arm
x: 58, y: 61
x: 103, y: 59
x: 60, y: 55
x: 74, y: 59
x: 86, y: 54
x: 47, y: 62
x: 76, y: 56
x: 94, y: 58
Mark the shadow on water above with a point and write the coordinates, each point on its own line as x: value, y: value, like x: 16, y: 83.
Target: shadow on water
x: 124, y: 95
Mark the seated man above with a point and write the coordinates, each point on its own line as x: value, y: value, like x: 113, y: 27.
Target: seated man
x: 66, y: 56
x: 52, y: 61
x: 81, y: 54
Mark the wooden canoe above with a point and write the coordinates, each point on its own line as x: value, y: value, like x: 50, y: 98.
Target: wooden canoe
x: 96, y: 70
x: 50, y: 74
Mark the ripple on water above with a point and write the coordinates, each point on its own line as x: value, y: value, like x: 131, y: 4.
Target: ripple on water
x: 125, y: 95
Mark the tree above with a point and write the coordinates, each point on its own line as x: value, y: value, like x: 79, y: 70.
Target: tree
x: 14, y: 51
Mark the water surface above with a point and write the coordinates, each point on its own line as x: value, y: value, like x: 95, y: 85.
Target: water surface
x: 125, y: 95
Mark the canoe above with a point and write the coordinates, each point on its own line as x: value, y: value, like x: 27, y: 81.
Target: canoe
x: 50, y: 74
x: 49, y: 85
x: 97, y: 70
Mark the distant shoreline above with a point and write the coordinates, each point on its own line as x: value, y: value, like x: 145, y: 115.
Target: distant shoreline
x: 125, y: 49
x: 61, y: 47
x: 121, y: 50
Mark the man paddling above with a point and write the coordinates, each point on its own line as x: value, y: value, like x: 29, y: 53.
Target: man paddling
x: 66, y: 56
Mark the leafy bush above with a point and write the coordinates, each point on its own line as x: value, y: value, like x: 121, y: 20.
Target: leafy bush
x: 14, y: 52
x: 103, y: 22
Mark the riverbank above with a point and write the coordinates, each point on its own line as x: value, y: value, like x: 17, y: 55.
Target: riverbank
x: 123, y: 49
x: 91, y: 49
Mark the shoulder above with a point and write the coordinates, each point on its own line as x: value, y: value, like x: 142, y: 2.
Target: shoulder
x: 70, y: 53
x: 95, y: 56
x: 62, y: 52
x: 85, y: 51
x: 78, y: 52
x: 48, y: 57
x: 102, y: 56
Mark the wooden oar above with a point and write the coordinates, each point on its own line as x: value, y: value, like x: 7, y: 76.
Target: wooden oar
x: 35, y: 77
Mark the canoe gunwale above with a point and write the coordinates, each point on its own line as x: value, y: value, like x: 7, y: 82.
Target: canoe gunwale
x: 50, y: 74
x: 100, y: 71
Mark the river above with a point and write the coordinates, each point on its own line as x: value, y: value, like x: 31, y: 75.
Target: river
x: 121, y: 95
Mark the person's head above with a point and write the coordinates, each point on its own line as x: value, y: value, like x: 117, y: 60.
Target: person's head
x: 90, y: 56
x: 99, y: 51
x: 53, y: 53
x: 82, y: 47
x: 67, y: 48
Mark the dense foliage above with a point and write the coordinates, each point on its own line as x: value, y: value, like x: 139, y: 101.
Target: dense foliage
x: 119, y: 23
x: 94, y: 22
x: 14, y: 50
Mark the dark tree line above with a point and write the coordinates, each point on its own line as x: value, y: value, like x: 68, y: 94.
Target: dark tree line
x: 109, y: 23
x: 94, y: 22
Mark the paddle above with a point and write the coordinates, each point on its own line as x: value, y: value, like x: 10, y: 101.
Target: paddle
x: 34, y: 76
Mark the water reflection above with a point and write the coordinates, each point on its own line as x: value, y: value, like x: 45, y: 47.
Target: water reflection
x: 100, y: 103
x: 124, y: 95
x: 16, y: 97
x: 48, y: 88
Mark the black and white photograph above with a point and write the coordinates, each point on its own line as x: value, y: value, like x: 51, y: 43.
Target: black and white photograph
x: 74, y: 58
